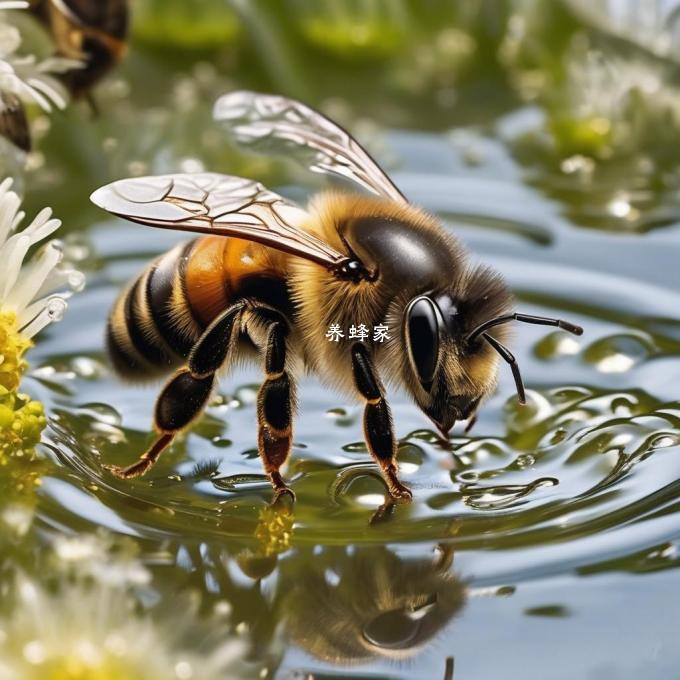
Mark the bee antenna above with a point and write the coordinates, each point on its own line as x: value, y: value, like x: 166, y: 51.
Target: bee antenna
x: 508, y: 356
x: 524, y: 318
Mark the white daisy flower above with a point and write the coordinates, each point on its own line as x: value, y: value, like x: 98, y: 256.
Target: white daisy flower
x: 35, y: 292
x: 25, y: 76
x: 98, y: 632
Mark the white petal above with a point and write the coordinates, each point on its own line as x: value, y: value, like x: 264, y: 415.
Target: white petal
x: 62, y: 278
x: 18, y: 219
x: 9, y: 206
x: 43, y: 85
x: 12, y: 256
x: 48, y: 310
x: 39, y: 99
x: 5, y: 186
x: 59, y: 65
x: 32, y: 277
x: 42, y: 226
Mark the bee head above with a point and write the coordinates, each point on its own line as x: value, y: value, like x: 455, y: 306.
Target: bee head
x: 454, y: 339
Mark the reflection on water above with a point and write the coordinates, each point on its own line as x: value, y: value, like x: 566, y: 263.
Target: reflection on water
x: 569, y: 505
x: 352, y: 608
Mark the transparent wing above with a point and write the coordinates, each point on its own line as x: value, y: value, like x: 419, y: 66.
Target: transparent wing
x: 257, y: 119
x: 210, y: 203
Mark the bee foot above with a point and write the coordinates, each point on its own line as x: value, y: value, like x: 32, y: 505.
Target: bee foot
x: 136, y: 470
x: 283, y: 492
x: 398, y: 492
x: 401, y: 493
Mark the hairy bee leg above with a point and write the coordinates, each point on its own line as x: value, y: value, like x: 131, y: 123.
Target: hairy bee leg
x: 378, y: 428
x: 275, y: 401
x: 187, y: 392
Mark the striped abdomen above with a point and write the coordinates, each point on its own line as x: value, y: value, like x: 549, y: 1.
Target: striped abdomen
x: 157, y: 320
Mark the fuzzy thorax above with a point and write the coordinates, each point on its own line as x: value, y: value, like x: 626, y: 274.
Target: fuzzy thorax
x: 323, y: 299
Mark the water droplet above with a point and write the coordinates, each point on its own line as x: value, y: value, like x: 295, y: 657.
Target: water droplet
x: 616, y: 363
x: 76, y: 280
x: 619, y: 353
x: 85, y: 367
x: 56, y: 308
x: 336, y: 412
x: 525, y: 460
x: 341, y: 416
x: 558, y: 436
x: 76, y: 250
x: 567, y: 346
x: 355, y: 447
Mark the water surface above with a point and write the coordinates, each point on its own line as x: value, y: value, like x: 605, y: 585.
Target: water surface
x: 541, y: 544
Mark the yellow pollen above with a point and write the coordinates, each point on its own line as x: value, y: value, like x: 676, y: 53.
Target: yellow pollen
x: 22, y: 420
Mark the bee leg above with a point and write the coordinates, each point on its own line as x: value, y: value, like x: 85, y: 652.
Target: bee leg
x: 275, y: 405
x: 187, y: 392
x: 378, y: 428
x: 92, y: 103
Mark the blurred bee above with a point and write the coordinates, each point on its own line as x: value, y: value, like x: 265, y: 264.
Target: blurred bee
x: 91, y: 31
x: 272, y: 277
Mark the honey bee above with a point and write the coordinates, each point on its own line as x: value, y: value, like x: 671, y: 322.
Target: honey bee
x: 91, y: 31
x: 268, y: 278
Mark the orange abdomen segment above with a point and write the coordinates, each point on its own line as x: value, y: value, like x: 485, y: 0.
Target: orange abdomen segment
x: 219, y: 268
x: 206, y: 281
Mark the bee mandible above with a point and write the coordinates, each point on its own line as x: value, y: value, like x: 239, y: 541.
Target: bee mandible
x: 267, y: 279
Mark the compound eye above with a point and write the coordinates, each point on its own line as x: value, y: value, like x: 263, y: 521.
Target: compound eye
x: 422, y: 327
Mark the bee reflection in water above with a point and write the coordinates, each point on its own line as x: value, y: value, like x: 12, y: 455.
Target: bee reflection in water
x: 351, y: 605
x: 348, y: 607
x: 341, y: 605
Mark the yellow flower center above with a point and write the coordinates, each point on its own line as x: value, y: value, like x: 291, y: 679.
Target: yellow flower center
x: 13, y: 346
x: 22, y: 420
